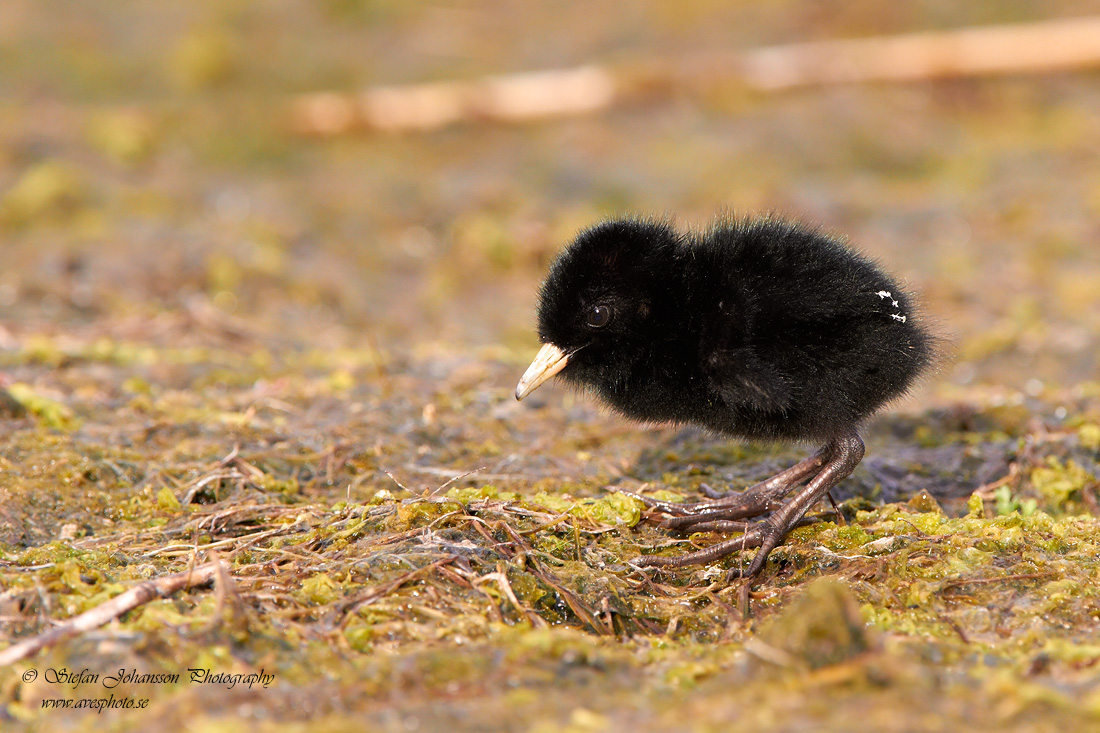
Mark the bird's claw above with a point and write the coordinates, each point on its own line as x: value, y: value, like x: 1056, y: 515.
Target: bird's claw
x: 668, y: 507
x: 842, y: 453
x: 750, y: 539
x: 710, y: 493
x: 731, y: 505
x: 765, y: 535
x: 687, y: 520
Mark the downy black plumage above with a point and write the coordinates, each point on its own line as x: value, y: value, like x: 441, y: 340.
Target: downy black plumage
x: 758, y: 328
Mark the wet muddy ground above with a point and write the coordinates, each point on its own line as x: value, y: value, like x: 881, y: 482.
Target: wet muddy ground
x: 221, y: 341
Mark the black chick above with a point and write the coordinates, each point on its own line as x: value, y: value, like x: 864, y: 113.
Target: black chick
x: 758, y: 328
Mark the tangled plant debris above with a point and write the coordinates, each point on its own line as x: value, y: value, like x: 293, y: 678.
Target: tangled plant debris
x: 256, y: 405
x: 445, y: 590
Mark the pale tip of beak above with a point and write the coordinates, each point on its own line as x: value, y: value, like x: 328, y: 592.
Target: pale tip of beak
x: 549, y: 361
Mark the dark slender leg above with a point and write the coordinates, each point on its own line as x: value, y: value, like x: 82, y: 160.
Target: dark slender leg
x: 751, y: 502
x: 724, y: 525
x: 844, y: 454
x: 787, y: 478
x: 754, y: 501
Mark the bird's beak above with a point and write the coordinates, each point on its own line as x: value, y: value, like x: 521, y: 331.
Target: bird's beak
x: 549, y: 361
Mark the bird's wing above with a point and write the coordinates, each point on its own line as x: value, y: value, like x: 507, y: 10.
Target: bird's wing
x: 743, y: 380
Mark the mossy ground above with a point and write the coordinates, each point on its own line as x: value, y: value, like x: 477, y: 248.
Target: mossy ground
x: 221, y: 341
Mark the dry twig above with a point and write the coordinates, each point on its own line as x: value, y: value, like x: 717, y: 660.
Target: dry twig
x: 137, y: 596
x: 1055, y: 45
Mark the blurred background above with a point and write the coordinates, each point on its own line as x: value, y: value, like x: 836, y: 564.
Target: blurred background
x: 149, y: 167
x: 217, y: 323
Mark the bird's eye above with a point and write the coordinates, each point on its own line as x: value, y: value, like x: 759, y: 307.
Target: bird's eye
x: 599, y: 316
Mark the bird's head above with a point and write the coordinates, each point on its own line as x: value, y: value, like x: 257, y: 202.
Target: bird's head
x: 598, y: 306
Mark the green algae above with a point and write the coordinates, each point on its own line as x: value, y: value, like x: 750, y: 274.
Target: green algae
x: 614, y: 509
x: 50, y: 190
x: 931, y: 585
x: 217, y: 339
x: 1006, y: 503
x: 1059, y: 484
x: 485, y: 492
x: 823, y: 627
x: 51, y: 413
x: 1089, y: 435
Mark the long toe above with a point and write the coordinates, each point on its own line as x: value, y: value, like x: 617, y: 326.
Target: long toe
x: 667, y: 507
x: 747, y: 541
x: 831, y: 464
x: 751, y: 502
x: 727, y: 526
x: 846, y: 453
x: 712, y: 493
x: 688, y: 509
x: 684, y: 522
x: 771, y: 534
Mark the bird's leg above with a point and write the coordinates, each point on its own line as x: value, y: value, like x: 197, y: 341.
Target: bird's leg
x: 847, y: 453
x: 726, y: 526
x: 788, y: 478
x: 751, y: 502
x: 844, y: 454
x: 754, y: 501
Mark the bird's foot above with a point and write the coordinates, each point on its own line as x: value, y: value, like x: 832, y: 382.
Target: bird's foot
x: 733, y: 505
x: 668, y: 507
x: 831, y: 465
x: 765, y: 534
x: 713, y: 494
x: 752, y: 502
x: 751, y: 538
x: 688, y: 522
